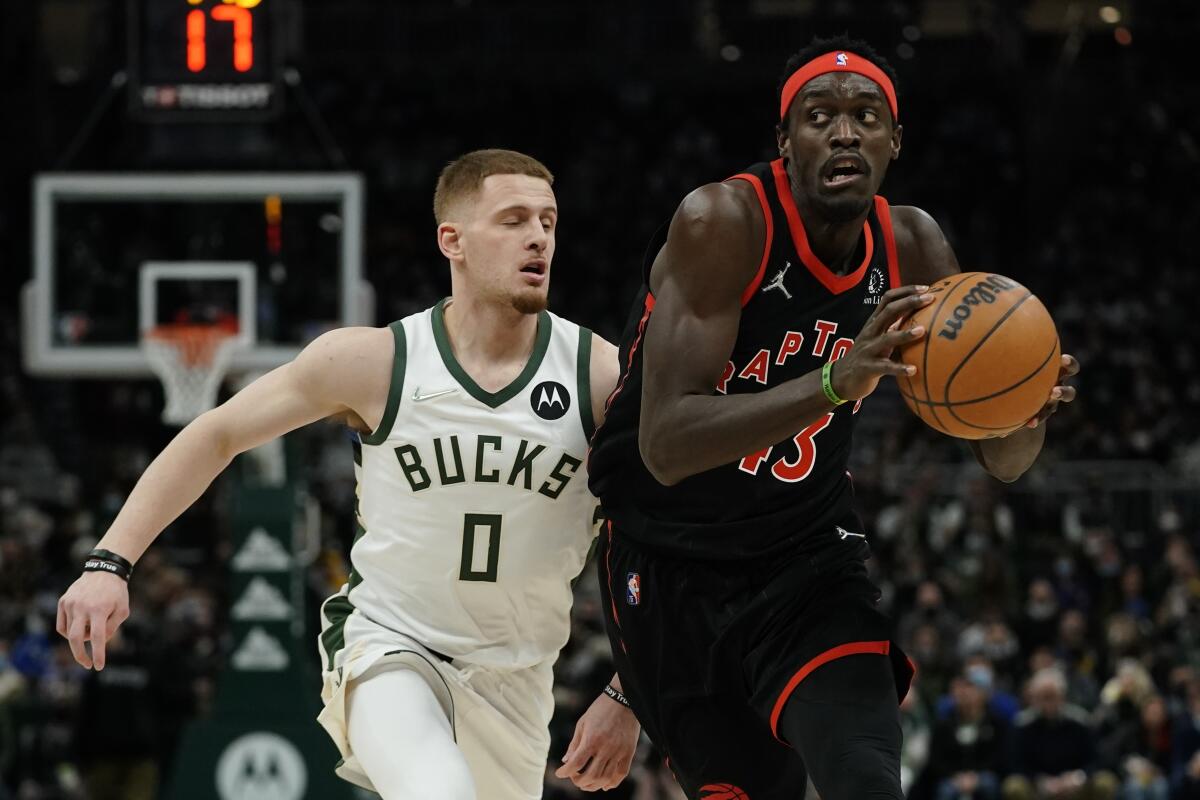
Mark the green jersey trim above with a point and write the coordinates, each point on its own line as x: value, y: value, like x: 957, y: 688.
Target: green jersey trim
x: 583, y: 380
x: 380, y: 434
x: 338, y: 608
x: 490, y: 399
x: 335, y: 610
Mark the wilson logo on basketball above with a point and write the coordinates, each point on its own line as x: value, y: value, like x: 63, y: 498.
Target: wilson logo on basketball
x: 983, y: 292
x: 722, y: 791
x: 992, y: 368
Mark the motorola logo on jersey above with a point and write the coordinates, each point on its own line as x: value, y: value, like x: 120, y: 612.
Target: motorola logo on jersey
x: 550, y: 400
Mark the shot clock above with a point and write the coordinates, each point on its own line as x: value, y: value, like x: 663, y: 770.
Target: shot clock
x: 195, y: 60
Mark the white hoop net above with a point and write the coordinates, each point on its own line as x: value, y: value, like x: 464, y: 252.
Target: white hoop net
x: 191, y: 361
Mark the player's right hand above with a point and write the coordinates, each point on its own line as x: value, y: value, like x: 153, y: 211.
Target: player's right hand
x: 856, y: 374
x: 91, y: 611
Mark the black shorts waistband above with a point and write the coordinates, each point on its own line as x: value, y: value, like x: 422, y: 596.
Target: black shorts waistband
x: 815, y: 542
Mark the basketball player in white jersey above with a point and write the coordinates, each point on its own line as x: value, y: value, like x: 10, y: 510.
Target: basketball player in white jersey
x: 473, y: 510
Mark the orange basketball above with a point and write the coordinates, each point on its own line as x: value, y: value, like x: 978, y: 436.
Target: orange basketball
x: 988, y: 360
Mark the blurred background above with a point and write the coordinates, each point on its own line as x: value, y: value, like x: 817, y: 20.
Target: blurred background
x: 1053, y: 140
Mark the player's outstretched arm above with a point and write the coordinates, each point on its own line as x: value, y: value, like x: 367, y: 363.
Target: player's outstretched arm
x: 346, y: 370
x: 712, y: 253
x: 926, y: 256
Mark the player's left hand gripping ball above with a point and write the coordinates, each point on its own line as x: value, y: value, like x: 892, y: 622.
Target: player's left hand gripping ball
x: 1061, y: 393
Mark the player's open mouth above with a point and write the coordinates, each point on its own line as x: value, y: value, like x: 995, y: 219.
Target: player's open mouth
x: 534, y: 271
x: 843, y: 170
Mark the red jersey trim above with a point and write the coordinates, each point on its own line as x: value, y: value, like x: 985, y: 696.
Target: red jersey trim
x: 841, y: 651
x: 641, y: 331
x: 828, y: 278
x: 612, y: 596
x: 889, y: 239
x: 769, y: 218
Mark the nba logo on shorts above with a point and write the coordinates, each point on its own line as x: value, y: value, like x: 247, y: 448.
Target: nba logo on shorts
x: 633, y: 588
x: 841, y: 59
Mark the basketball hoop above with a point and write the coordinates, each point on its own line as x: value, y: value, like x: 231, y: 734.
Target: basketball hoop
x: 191, y: 361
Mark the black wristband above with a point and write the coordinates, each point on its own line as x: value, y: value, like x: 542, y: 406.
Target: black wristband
x: 616, y: 695
x: 99, y: 560
x: 109, y: 555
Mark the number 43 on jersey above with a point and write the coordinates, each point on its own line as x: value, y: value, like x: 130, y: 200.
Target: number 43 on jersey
x: 792, y: 470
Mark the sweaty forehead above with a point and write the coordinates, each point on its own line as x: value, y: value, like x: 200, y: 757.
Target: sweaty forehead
x: 503, y: 191
x: 842, y: 84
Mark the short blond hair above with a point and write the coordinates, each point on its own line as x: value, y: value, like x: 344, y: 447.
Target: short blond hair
x: 464, y: 176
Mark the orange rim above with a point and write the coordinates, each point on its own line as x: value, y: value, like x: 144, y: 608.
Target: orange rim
x: 196, y: 343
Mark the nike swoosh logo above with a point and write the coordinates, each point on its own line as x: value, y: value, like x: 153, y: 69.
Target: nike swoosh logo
x: 418, y: 397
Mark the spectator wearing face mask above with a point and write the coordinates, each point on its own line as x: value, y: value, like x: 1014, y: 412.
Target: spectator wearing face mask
x: 990, y: 637
x: 978, y: 670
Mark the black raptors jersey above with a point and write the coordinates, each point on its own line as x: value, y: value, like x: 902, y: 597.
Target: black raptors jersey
x: 796, y: 315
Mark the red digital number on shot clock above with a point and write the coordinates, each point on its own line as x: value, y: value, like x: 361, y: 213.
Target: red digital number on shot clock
x: 242, y: 22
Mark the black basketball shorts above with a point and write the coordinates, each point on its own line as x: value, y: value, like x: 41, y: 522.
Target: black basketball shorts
x: 710, y: 652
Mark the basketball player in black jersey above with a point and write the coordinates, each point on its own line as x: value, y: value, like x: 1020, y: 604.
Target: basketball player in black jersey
x: 744, y: 625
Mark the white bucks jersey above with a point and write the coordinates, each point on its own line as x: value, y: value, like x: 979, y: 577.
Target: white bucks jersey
x: 474, y: 509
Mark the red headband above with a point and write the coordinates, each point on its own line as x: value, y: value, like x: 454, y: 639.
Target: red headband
x: 837, y: 61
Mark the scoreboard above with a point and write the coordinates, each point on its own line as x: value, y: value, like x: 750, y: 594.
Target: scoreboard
x: 196, y: 60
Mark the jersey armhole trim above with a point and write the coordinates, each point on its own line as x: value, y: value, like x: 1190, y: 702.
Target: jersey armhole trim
x: 380, y: 434
x: 884, y: 213
x: 628, y: 368
x: 583, y: 382
x: 769, y: 221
